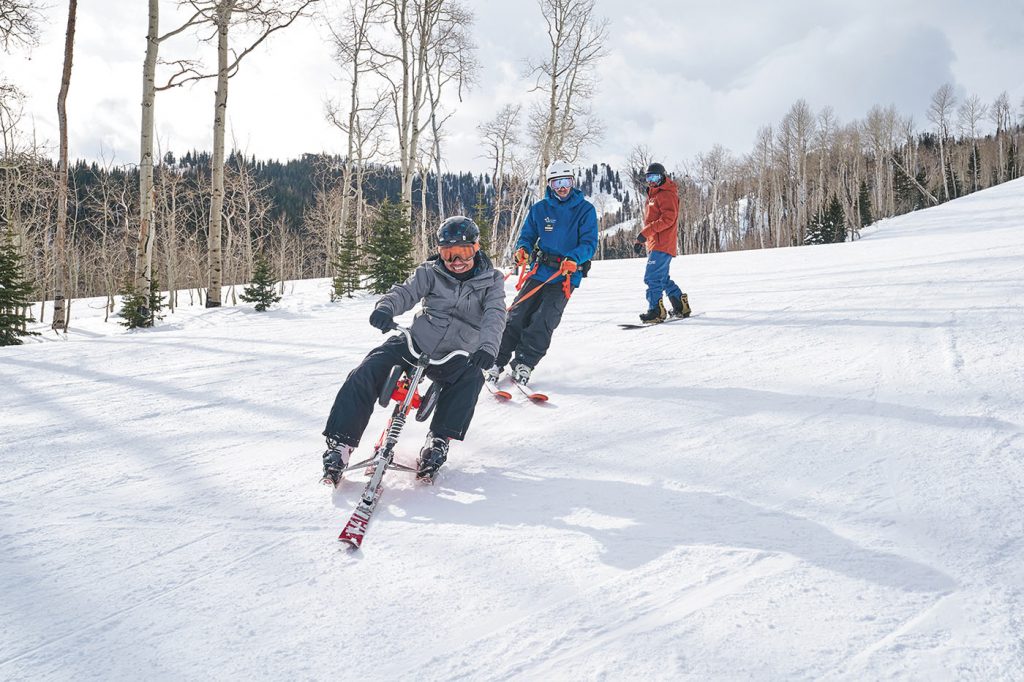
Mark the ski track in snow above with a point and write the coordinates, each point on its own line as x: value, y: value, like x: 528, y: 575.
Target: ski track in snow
x: 818, y: 477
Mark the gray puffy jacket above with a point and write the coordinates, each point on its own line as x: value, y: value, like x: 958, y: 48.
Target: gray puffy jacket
x: 456, y: 315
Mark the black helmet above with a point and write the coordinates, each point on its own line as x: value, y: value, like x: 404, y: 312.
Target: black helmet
x: 656, y: 168
x: 458, y: 230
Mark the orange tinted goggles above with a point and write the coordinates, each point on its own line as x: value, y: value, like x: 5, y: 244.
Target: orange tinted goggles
x: 463, y: 252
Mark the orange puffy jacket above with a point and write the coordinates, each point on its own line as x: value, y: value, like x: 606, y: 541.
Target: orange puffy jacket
x: 660, y: 218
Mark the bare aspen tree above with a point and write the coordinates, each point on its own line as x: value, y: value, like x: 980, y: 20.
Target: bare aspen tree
x: 971, y: 111
x: 61, y: 277
x: 795, y: 133
x: 848, y: 171
x: 500, y: 137
x: 11, y: 158
x: 259, y: 19
x: 637, y: 161
x: 910, y: 165
x: 19, y: 23
x: 147, y: 210
x: 323, y: 215
x: 452, y: 63
x: 567, y: 77
x: 362, y: 122
x: 712, y: 171
x: 939, y: 113
x: 879, y: 130
x: 421, y: 28
x: 762, y: 167
x: 169, y: 187
x: 824, y: 139
x: 520, y: 190
x: 246, y: 219
x: 999, y: 114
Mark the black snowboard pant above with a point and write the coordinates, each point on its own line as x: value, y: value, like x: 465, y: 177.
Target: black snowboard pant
x: 529, y: 326
x: 458, y: 381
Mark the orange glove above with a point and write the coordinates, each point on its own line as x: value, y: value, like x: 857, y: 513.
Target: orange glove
x: 521, y: 256
x: 567, y: 267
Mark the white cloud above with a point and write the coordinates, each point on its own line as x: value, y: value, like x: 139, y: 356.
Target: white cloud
x: 676, y: 79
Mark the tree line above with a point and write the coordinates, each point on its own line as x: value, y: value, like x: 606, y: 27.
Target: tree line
x: 198, y: 224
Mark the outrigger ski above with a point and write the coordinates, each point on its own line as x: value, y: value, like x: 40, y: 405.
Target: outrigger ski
x: 497, y: 392
x: 504, y: 396
x: 534, y: 397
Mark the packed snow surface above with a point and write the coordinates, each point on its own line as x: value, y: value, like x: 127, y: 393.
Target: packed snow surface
x: 818, y: 477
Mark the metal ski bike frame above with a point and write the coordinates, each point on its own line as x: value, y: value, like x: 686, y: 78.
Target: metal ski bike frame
x: 404, y: 393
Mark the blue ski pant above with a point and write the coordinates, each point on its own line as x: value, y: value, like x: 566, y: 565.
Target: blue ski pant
x: 657, y: 280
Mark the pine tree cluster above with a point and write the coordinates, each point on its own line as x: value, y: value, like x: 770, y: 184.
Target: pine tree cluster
x: 828, y: 227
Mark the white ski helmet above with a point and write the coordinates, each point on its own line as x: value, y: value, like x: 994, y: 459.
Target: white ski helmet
x: 559, y: 169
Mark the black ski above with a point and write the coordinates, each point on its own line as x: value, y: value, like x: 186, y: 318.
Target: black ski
x: 670, y: 318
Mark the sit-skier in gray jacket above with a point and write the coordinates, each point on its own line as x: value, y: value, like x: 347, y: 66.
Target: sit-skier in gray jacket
x: 465, y: 312
x: 456, y: 315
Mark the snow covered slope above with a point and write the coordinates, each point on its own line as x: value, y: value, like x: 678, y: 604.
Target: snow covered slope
x: 819, y: 477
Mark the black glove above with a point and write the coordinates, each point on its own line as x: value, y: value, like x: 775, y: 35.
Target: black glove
x: 382, y: 320
x: 638, y: 246
x: 482, y: 359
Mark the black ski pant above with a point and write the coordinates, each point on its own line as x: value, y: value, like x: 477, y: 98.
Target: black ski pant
x: 458, y: 381
x: 529, y: 326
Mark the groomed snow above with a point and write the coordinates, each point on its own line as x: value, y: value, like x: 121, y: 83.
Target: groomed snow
x: 819, y: 477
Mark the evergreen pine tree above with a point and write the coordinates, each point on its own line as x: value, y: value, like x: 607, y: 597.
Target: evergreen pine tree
x: 346, y: 266
x: 261, y: 290
x: 389, y: 249
x: 139, y: 310
x: 156, y: 301
x: 480, y: 218
x: 864, y: 200
x: 833, y: 222
x: 15, y: 292
x: 815, y: 233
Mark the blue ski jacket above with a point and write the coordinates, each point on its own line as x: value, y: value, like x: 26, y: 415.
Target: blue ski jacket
x: 567, y: 229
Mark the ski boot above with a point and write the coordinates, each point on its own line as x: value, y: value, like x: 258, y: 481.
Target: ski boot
x: 492, y: 375
x: 680, y: 305
x: 521, y: 373
x: 432, y: 456
x: 655, y: 315
x: 335, y: 461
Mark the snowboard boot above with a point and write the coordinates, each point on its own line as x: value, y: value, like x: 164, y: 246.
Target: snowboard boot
x: 655, y: 315
x: 680, y: 305
x: 492, y: 375
x: 335, y: 461
x: 432, y: 456
x: 521, y: 372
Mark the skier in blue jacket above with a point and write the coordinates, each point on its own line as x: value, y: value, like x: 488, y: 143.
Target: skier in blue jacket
x: 559, y: 237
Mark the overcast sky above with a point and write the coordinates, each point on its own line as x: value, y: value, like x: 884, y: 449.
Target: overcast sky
x: 679, y: 77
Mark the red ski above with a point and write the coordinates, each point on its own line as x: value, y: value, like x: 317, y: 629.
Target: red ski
x: 534, y: 397
x: 497, y: 392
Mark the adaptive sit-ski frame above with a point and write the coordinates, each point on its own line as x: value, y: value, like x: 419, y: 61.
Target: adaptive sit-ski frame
x: 403, y: 392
